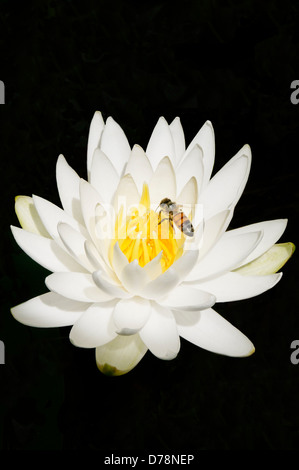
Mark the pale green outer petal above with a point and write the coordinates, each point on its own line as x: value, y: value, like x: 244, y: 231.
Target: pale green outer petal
x: 45, y: 251
x: 270, y: 262
x: 163, y: 182
x: 115, y: 145
x: 95, y: 327
x: 139, y: 167
x: 120, y: 355
x: 49, y: 310
x: 178, y: 136
x: 94, y: 137
x: 103, y: 176
x: 68, y: 187
x: 232, y: 286
x: 76, y: 286
x: 209, y: 330
x: 161, y: 144
x: 160, y: 333
x: 28, y: 216
x: 130, y: 315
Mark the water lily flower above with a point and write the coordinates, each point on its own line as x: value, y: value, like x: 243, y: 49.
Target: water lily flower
x: 125, y: 275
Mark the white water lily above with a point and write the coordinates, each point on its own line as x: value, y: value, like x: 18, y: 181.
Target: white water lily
x: 127, y: 281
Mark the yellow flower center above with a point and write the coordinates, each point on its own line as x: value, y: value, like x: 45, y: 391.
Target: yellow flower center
x: 144, y: 233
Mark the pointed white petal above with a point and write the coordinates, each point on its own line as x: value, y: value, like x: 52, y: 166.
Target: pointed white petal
x: 188, y: 298
x: 108, y: 286
x: 51, y: 215
x: 191, y: 166
x: 49, y: 310
x: 115, y: 145
x: 45, y: 251
x: 226, y: 187
x: 159, y: 287
x: 160, y: 144
x: 270, y: 262
x: 75, y: 245
x: 205, y: 138
x: 139, y: 167
x: 225, y: 256
x: 163, y: 183
x: 133, y: 277
x: 95, y: 131
x: 208, y: 330
x: 160, y: 333
x: 130, y: 315
x: 95, y: 327
x: 126, y: 194
x: 272, y: 231
x: 103, y: 176
x: 232, y: 286
x: 178, y: 137
x: 121, y: 355
x: 68, y: 187
x: 76, y: 286
x: 213, y: 229
x: 185, y: 263
x: 28, y: 216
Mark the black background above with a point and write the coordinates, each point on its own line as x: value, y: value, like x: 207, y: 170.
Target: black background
x: 230, y: 62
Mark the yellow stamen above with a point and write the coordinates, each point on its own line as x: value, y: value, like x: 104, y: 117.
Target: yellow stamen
x: 142, y: 236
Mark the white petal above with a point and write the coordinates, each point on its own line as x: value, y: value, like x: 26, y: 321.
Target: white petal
x: 232, y: 286
x: 133, y: 277
x: 76, y: 286
x: 226, y: 187
x: 139, y: 167
x: 68, y: 187
x: 45, y: 251
x: 130, y: 315
x: 95, y: 132
x: 185, y: 263
x: 188, y: 298
x: 103, y: 176
x: 178, y: 137
x: 162, y: 183
x: 126, y: 194
x: 115, y: 145
x: 49, y: 310
x: 205, y: 138
x: 51, y: 215
x: 75, y: 244
x: 108, y: 286
x: 159, y: 287
x: 213, y: 229
x: 191, y: 166
x: 95, y: 327
x: 270, y: 262
x: 272, y: 231
x: 160, y: 144
x: 208, y: 330
x: 188, y: 197
x: 225, y: 256
x: 160, y: 333
x: 121, y: 355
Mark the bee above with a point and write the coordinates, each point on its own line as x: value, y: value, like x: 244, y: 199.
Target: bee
x: 175, y: 216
